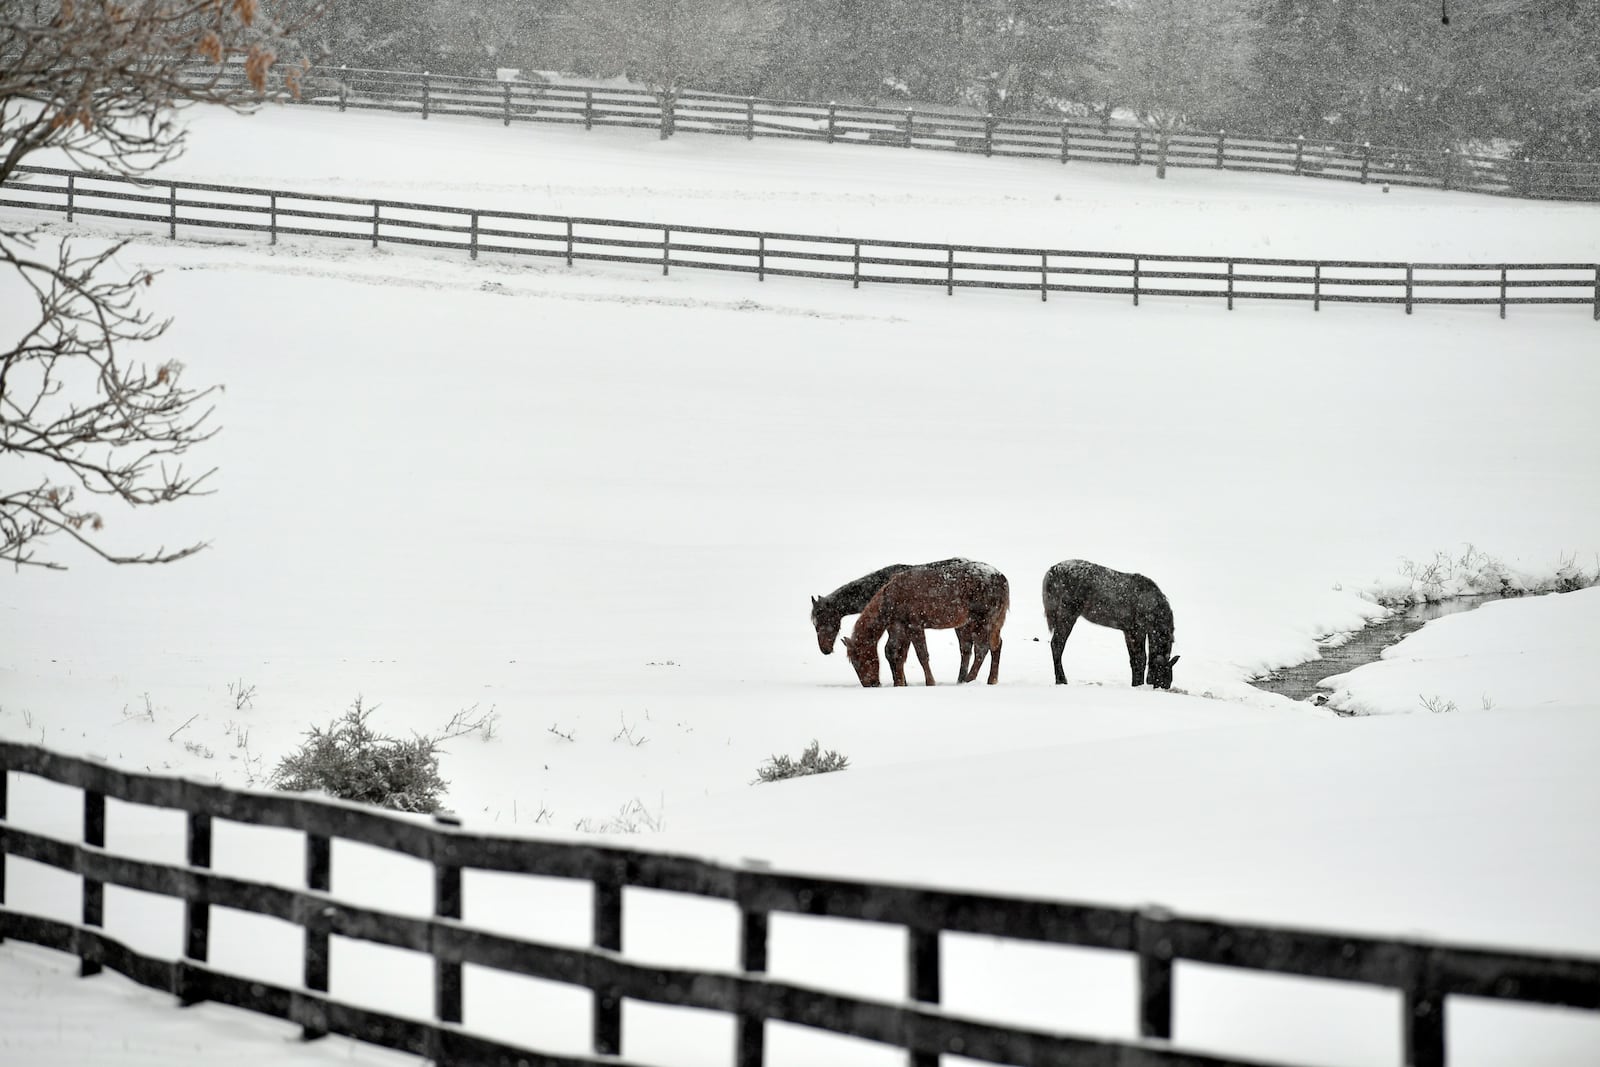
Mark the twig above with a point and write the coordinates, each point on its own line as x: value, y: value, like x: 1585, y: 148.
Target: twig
x: 180, y: 729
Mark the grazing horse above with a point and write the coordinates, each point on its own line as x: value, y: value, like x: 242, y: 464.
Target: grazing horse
x: 828, y: 612
x: 1131, y: 603
x: 972, y: 598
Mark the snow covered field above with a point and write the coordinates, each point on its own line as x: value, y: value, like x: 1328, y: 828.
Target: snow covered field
x: 596, y: 501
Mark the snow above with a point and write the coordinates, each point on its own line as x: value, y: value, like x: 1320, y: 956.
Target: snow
x: 598, y: 500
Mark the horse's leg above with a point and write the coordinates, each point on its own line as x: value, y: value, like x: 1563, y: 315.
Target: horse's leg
x: 994, y: 660
x: 1060, y: 630
x: 1135, y: 641
x: 919, y: 641
x: 964, y: 640
x: 894, y: 650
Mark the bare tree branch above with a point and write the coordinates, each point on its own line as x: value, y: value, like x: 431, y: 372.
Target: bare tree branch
x: 102, y: 82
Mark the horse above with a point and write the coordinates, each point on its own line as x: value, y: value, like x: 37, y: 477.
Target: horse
x: 828, y: 612
x: 970, y: 597
x: 1131, y: 603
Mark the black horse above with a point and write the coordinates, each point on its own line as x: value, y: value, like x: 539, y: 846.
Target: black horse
x: 828, y: 612
x: 1131, y: 603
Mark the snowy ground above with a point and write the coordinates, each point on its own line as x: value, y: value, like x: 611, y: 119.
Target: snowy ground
x: 596, y: 500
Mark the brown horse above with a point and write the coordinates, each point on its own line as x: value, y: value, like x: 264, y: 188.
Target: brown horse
x: 828, y: 611
x: 970, y: 597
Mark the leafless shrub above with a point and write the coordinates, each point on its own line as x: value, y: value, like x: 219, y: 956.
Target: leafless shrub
x: 811, y: 761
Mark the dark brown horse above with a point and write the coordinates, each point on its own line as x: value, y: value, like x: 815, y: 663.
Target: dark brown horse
x: 1131, y: 603
x: 971, y: 598
x: 828, y: 612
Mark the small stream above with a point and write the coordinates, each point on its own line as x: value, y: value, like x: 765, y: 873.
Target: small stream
x: 1299, y: 681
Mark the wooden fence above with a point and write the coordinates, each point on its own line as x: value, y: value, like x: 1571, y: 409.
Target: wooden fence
x: 1426, y: 974
x: 1063, y: 139
x: 173, y: 205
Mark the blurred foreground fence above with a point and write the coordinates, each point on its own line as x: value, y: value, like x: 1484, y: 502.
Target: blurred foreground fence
x: 1427, y: 975
x: 1040, y: 138
x: 171, y: 205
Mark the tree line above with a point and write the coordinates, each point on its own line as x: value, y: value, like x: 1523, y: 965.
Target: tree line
x: 1518, y: 76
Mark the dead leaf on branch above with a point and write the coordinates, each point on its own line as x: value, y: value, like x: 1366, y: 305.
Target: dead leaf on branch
x: 210, y: 46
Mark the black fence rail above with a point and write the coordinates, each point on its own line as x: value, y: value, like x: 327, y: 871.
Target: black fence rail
x: 172, y: 206
x: 1063, y: 139
x: 1427, y: 975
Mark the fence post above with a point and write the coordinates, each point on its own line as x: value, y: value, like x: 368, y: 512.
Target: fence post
x: 855, y: 276
x: 664, y: 102
x: 749, y: 118
x: 344, y: 87
x: 1316, y: 287
x: 752, y: 960
x: 988, y: 135
x: 832, y: 109
x: 1366, y: 160
x: 1135, y: 281
x: 5, y: 778
x: 472, y: 239
x: 319, y: 878
x: 922, y: 984
x: 761, y: 258
x: 1044, y: 276
x: 1449, y: 168
x: 94, y: 893
x: 374, y: 224
x: 197, y: 913
x: 1597, y: 294
x: 1138, y: 146
x: 1502, y: 292
x: 909, y: 120
x: 950, y: 272
x: 172, y: 211
x: 446, y: 905
x: 1155, y: 972
x: 608, y: 935
x: 1222, y: 140
x: 272, y: 217
x: 666, y: 250
x: 72, y: 190
x: 569, y: 242
x: 1230, y: 285
x: 1066, y: 138
x: 1299, y: 151
x: 1424, y: 1018
x: 1408, y: 288
x: 508, y: 103
x: 425, y: 93
x: 588, y: 109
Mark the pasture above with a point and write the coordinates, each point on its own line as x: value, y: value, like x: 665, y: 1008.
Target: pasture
x: 597, y: 501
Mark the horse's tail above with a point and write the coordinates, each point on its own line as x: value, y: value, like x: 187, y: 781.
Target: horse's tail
x: 997, y: 618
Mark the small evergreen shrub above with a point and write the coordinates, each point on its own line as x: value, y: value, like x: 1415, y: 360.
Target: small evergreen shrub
x: 811, y: 761
x: 350, y: 760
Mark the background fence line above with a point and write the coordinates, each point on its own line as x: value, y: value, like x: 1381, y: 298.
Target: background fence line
x: 169, y: 205
x: 1426, y: 974
x: 1065, y: 139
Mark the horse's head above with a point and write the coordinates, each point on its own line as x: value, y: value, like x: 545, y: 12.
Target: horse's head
x: 827, y: 622
x: 1159, y: 674
x: 863, y: 656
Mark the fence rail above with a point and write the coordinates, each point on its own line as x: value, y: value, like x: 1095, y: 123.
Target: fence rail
x: 1063, y: 139
x: 1426, y: 974
x: 171, y: 205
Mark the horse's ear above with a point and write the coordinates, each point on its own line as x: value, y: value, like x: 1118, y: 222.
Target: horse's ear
x: 1173, y: 662
x: 847, y: 642
x: 813, y: 601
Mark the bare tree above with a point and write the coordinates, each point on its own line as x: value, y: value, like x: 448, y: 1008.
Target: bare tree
x: 671, y: 45
x: 101, y: 82
x: 1173, y: 62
